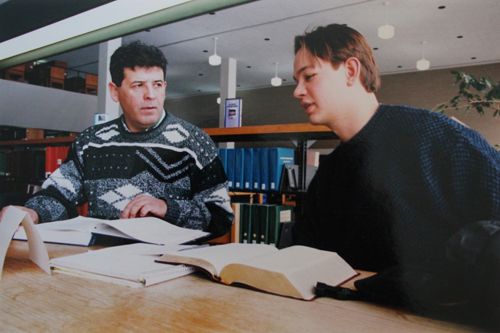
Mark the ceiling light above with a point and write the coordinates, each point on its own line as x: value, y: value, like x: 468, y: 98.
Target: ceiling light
x: 276, y: 81
x: 218, y: 100
x: 423, y: 64
x: 386, y: 31
x: 214, y: 59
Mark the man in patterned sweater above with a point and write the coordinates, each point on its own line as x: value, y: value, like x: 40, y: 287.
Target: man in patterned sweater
x: 408, y: 191
x: 147, y: 162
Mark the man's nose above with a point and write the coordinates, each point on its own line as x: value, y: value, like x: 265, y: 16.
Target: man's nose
x: 299, y: 91
x: 150, y: 92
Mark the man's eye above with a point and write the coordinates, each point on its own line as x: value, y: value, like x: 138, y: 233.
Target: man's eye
x: 308, y: 77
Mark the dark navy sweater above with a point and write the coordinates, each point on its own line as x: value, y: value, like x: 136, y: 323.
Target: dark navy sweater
x: 395, y: 192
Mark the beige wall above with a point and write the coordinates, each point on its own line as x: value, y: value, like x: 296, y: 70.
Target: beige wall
x: 276, y: 105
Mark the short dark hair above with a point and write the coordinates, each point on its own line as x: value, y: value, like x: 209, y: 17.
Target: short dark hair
x: 336, y: 43
x: 135, y: 54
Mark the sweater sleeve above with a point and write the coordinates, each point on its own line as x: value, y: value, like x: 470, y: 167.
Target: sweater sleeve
x: 208, y: 206
x: 60, y: 193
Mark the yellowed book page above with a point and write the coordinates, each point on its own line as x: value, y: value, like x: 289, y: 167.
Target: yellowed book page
x: 214, y: 258
x: 302, y: 266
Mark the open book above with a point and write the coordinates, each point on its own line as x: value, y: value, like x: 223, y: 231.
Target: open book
x: 82, y: 230
x: 293, y: 271
x: 133, y: 264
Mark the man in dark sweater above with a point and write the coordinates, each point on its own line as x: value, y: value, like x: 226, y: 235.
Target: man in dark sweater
x: 402, y: 182
x: 145, y: 163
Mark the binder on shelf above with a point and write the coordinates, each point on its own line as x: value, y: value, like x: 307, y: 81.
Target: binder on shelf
x: 230, y: 167
x: 239, y: 162
x: 255, y: 223
x: 290, y: 177
x: 256, y: 169
x: 245, y: 222
x: 264, y: 169
x: 247, y: 168
x: 235, y: 229
x: 233, y: 112
x: 278, y: 214
x: 54, y: 157
x: 223, y: 158
x: 277, y: 158
x: 264, y: 223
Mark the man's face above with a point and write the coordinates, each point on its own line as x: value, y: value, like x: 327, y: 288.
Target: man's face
x: 141, y: 96
x: 320, y: 88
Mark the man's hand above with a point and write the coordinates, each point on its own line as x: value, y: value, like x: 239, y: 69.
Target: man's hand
x: 33, y: 214
x: 144, y: 205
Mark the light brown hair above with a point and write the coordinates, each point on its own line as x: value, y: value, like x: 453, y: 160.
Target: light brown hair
x: 336, y: 43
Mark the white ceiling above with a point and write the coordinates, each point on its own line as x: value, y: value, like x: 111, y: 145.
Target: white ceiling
x: 242, y: 30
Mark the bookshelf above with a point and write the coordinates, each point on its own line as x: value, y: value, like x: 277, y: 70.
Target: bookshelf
x: 300, y: 134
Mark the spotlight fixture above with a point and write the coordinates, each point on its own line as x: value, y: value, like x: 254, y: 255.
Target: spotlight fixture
x: 214, y: 59
x: 423, y: 64
x: 386, y: 31
x: 276, y: 81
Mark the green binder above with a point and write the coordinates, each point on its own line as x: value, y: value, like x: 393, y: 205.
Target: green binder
x: 264, y: 223
x: 255, y: 224
x: 245, y: 222
x: 277, y: 215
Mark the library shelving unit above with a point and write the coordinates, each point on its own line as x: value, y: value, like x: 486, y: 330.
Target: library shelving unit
x: 302, y: 135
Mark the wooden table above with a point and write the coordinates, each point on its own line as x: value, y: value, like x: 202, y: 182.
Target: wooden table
x: 32, y: 301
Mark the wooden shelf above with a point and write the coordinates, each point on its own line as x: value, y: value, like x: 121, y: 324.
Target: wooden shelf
x: 271, y: 133
x: 38, y: 142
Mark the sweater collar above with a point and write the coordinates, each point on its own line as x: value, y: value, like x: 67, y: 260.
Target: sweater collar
x: 163, y: 115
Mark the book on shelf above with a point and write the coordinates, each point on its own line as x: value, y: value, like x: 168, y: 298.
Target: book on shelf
x: 222, y: 155
x: 312, y: 158
x: 277, y: 158
x: 278, y: 216
x: 263, y: 236
x: 247, y: 168
x: 54, y: 157
x: 264, y: 169
x: 133, y: 265
x: 230, y: 161
x: 239, y: 162
x: 84, y: 231
x: 292, y: 272
x: 256, y: 169
x: 235, y: 229
x: 255, y: 223
x: 245, y: 222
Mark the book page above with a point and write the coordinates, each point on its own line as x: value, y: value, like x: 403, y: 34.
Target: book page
x: 221, y: 255
x: 134, y: 262
x: 304, y: 267
x: 80, y: 223
x: 151, y: 230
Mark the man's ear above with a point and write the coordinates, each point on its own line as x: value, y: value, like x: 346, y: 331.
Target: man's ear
x: 353, y: 70
x: 113, y: 91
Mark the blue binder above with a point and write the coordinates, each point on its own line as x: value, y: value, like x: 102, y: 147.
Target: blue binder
x: 264, y: 169
x: 247, y: 168
x: 230, y: 167
x: 277, y: 158
x: 223, y: 157
x: 256, y: 169
x: 239, y: 162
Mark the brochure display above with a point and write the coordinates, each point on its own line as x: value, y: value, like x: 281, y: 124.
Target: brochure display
x: 233, y: 112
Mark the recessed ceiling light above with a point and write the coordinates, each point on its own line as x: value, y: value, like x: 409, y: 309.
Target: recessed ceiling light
x: 211, y: 13
x: 205, y: 51
x: 267, y: 38
x: 473, y: 58
x: 400, y: 66
x: 201, y: 74
x: 442, y: 7
x: 249, y: 66
x: 460, y: 36
x: 375, y: 48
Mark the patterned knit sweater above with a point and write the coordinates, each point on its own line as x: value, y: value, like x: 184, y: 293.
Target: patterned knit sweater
x: 107, y: 166
x: 395, y: 192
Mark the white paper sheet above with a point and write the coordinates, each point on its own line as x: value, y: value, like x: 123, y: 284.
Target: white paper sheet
x: 11, y: 220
